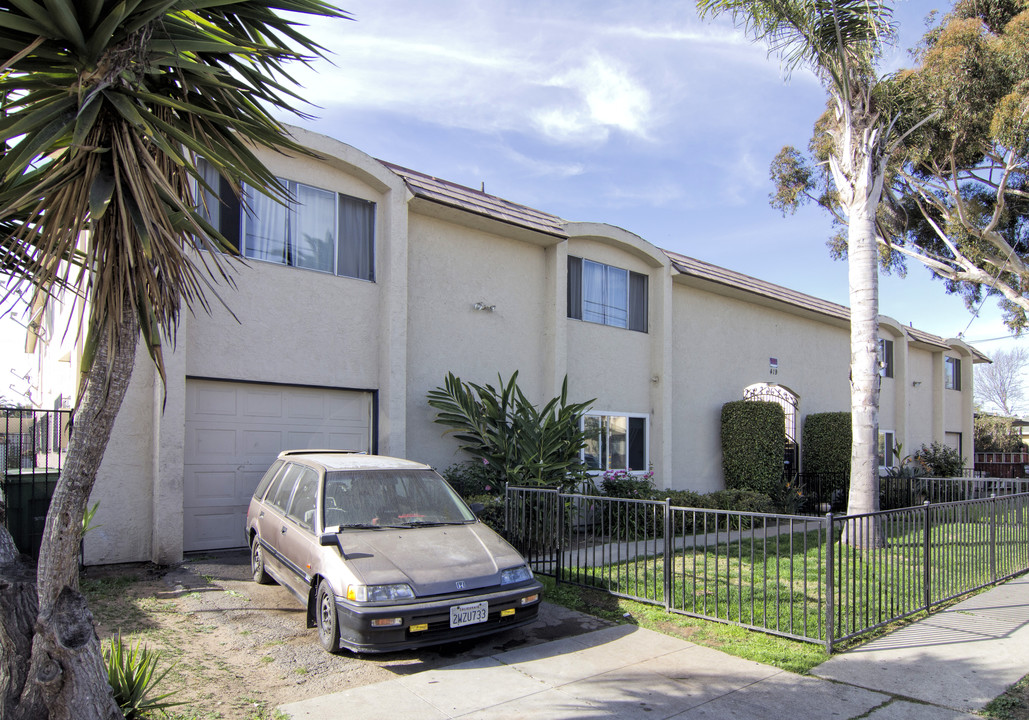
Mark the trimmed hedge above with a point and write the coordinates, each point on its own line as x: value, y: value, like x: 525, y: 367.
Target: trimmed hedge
x: 753, y: 442
x: 827, y: 442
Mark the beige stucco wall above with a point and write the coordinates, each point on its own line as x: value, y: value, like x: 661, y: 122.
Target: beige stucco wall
x: 125, y: 481
x: 723, y: 345
x: 450, y: 269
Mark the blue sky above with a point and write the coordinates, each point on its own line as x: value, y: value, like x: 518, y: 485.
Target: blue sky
x: 636, y: 114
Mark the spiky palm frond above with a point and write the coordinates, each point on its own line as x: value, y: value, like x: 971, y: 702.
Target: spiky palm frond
x: 837, y: 39
x: 106, y: 105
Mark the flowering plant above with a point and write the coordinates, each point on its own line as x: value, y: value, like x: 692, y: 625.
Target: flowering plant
x: 625, y: 484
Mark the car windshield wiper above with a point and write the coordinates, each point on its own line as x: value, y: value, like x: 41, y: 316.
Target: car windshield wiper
x: 362, y: 526
x: 431, y: 523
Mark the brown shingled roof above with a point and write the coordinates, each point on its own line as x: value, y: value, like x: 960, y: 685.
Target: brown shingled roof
x: 731, y: 278
x: 478, y: 202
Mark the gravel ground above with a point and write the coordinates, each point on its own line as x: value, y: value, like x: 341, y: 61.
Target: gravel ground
x: 241, y: 649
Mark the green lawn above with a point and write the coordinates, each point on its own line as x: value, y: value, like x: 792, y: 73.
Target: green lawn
x: 778, y: 583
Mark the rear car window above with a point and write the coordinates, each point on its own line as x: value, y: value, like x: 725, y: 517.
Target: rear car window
x: 301, y: 507
x: 267, y: 479
x: 282, y: 489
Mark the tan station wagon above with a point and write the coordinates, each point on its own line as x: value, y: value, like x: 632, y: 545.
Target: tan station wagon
x: 383, y: 553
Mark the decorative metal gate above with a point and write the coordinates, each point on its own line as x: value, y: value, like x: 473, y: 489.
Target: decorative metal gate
x: 789, y: 402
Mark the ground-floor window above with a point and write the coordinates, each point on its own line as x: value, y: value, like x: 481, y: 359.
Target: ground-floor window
x: 886, y: 444
x: 615, y: 442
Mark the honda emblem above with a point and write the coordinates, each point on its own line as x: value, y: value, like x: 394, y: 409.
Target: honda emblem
x: 460, y: 584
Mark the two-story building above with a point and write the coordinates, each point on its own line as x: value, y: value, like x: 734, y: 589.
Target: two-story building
x: 358, y: 299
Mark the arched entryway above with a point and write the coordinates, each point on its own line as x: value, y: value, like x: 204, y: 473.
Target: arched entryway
x: 789, y: 401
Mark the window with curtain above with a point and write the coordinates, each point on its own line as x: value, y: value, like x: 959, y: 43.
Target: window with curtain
x: 615, y: 442
x: 606, y: 295
x: 317, y: 229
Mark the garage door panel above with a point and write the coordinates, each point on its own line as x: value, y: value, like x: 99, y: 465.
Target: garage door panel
x: 215, y: 442
x: 262, y: 403
x: 305, y: 406
x: 214, y: 401
x: 212, y: 487
x: 263, y: 443
x: 233, y: 433
x: 214, y: 530
x: 354, y: 409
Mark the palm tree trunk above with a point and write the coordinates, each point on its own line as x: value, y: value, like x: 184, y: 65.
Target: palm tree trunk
x: 66, y: 675
x: 864, y: 371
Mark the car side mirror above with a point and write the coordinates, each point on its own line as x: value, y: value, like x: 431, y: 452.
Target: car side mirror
x: 327, y: 538
x: 477, y: 508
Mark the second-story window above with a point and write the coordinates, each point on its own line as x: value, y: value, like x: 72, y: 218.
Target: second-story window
x: 606, y: 295
x: 952, y: 373
x: 317, y: 229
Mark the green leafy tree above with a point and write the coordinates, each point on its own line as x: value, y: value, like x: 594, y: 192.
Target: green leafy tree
x: 106, y: 106
x: 956, y: 193
x: 993, y: 434
x: 520, y: 443
x: 840, y: 41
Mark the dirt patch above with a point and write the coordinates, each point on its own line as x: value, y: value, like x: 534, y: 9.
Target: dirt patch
x: 241, y: 649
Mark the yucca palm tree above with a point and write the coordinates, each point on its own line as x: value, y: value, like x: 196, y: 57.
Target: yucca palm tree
x: 106, y: 107
x: 840, y: 41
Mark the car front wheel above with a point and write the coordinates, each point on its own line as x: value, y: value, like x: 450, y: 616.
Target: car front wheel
x: 257, y: 570
x: 328, y: 620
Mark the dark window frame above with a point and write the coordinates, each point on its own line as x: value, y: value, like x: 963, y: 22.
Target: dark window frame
x: 952, y: 373
x: 637, y: 300
x: 229, y: 221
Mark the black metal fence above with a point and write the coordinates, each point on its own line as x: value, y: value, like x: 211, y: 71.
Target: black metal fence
x: 818, y: 579
x: 32, y: 448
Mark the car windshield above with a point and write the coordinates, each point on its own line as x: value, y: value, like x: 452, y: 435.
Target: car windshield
x: 391, y: 498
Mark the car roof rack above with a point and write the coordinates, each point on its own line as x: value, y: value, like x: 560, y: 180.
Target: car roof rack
x: 313, y: 451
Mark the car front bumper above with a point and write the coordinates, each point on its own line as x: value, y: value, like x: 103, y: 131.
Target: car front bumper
x: 357, y: 634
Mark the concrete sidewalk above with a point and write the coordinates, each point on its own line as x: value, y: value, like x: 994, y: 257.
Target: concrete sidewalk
x: 942, y: 668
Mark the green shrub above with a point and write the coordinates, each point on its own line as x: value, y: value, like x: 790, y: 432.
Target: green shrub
x: 492, y: 513
x: 474, y: 477
x: 753, y: 443
x: 132, y: 673
x: 827, y: 440
x: 940, y: 460
x: 741, y: 501
x: 527, y: 445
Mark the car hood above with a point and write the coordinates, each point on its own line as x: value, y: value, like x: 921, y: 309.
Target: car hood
x: 431, y: 559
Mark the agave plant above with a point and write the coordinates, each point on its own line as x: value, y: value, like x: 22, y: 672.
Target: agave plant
x: 132, y: 673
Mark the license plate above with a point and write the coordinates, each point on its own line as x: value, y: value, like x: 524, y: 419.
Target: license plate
x: 469, y: 614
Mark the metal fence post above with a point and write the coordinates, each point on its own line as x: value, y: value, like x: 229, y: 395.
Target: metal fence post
x: 993, y: 536
x: 559, y: 559
x: 830, y: 581
x: 668, y: 554
x: 926, y: 571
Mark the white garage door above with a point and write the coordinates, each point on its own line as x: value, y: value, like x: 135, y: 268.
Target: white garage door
x: 235, y: 430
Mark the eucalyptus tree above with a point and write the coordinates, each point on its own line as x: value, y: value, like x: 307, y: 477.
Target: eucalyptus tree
x: 106, y: 107
x: 956, y: 196
x: 840, y: 42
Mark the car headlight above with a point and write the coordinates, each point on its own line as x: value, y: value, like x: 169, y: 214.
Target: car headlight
x: 378, y: 593
x: 515, y: 575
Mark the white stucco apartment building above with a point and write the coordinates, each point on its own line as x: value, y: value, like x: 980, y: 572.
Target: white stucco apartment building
x: 351, y: 309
